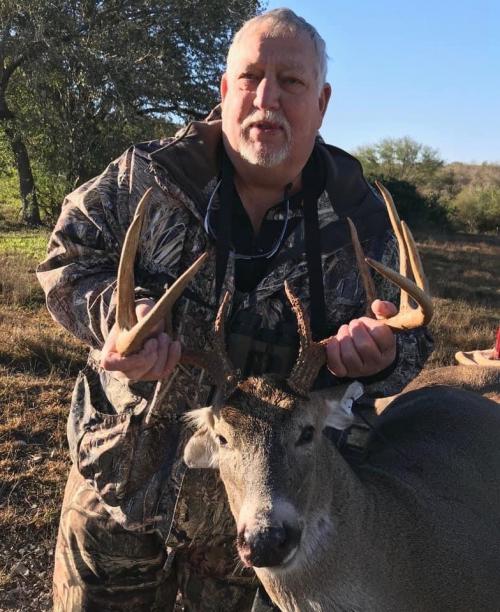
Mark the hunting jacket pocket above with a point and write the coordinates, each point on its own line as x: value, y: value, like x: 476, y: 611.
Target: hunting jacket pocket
x: 116, y: 450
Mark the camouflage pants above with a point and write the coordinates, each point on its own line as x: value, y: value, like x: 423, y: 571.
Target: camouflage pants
x: 101, y: 567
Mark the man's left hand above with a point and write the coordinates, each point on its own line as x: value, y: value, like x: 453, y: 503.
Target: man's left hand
x: 365, y: 346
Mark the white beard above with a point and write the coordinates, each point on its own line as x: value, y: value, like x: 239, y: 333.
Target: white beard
x: 265, y: 159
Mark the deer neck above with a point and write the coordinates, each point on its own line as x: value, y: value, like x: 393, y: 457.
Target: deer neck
x: 333, y: 520
x: 336, y: 485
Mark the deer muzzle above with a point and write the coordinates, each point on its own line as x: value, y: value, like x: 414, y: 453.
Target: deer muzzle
x: 268, y: 546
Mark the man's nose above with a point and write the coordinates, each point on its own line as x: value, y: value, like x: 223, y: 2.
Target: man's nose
x: 267, y: 94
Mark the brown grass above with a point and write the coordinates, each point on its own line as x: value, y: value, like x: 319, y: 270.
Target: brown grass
x: 464, y: 280
x: 38, y: 363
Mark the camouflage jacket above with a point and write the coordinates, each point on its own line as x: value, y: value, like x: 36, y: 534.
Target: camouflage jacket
x: 127, y: 439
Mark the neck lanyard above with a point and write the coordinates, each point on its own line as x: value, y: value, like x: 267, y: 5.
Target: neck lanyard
x: 313, y: 177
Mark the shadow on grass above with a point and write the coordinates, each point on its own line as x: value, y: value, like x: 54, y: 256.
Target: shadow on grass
x: 42, y: 359
x: 31, y: 343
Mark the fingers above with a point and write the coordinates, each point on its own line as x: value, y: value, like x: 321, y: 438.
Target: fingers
x: 162, y: 350
x: 381, y: 334
x: 142, y: 307
x: 350, y: 359
x: 174, y: 355
x: 168, y: 354
x: 155, y: 361
x: 362, y: 348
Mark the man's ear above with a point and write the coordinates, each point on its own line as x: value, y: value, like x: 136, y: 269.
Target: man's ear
x: 324, y: 98
x: 223, y: 86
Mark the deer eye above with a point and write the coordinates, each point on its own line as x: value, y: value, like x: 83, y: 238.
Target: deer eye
x: 306, y: 435
x: 221, y: 440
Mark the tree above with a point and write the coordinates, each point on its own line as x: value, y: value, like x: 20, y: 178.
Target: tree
x: 86, y: 72
x: 401, y: 159
x: 413, y: 174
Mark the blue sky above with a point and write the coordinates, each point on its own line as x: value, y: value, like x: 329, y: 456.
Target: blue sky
x: 428, y: 70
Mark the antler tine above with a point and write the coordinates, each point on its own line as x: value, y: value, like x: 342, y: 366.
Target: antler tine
x: 407, y: 317
x: 132, y: 334
x: 312, y: 355
x: 364, y: 271
x: 224, y: 363
x: 304, y: 327
x: 132, y: 340
x: 216, y: 362
x: 398, y: 231
x: 416, y: 263
x: 125, y: 308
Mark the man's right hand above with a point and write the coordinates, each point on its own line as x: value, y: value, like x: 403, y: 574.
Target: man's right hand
x: 157, y: 359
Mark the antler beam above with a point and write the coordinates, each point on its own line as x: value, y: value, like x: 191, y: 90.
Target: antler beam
x: 133, y: 333
x: 312, y: 355
x: 407, y: 317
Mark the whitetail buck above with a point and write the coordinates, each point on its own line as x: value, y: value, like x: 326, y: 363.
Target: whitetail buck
x: 414, y: 527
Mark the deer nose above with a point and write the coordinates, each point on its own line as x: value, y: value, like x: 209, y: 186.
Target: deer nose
x: 268, y: 547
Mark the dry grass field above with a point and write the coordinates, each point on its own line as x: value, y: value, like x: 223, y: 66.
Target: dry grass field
x: 38, y: 363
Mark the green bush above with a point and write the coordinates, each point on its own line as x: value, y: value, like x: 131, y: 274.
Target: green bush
x: 477, y: 209
x: 417, y: 209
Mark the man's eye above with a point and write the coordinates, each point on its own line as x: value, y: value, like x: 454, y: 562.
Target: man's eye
x: 248, y: 76
x: 292, y: 81
x: 306, y: 435
x: 221, y: 440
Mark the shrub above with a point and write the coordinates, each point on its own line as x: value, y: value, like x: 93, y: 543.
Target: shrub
x: 417, y: 209
x: 477, y: 209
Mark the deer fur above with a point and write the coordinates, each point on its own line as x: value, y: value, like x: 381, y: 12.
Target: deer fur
x: 413, y: 528
x: 483, y: 380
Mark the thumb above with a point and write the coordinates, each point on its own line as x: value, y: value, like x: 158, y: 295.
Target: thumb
x: 142, y: 308
x: 383, y: 310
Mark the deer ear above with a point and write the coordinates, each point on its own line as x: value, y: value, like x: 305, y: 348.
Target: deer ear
x: 201, y: 451
x: 338, y: 402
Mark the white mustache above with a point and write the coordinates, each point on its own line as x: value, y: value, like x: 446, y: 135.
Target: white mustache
x: 270, y: 116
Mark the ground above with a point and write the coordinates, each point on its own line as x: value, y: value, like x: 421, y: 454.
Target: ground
x: 39, y: 361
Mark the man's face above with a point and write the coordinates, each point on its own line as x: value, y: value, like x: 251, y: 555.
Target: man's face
x: 271, y: 104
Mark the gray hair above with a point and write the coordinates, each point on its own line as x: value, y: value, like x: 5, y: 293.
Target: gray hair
x: 284, y: 21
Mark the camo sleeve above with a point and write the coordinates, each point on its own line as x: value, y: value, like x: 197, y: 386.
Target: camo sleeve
x: 111, y: 443
x: 413, y: 347
x: 79, y: 272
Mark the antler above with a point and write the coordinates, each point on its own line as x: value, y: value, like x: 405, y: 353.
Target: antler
x: 312, y: 355
x: 216, y: 361
x: 407, y: 317
x: 133, y: 333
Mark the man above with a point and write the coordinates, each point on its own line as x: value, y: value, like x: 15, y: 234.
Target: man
x: 268, y: 200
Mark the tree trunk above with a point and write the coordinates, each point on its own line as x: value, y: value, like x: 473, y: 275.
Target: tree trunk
x: 30, y: 211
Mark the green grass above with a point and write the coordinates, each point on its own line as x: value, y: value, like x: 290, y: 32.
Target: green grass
x: 16, y: 240
x: 32, y: 244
